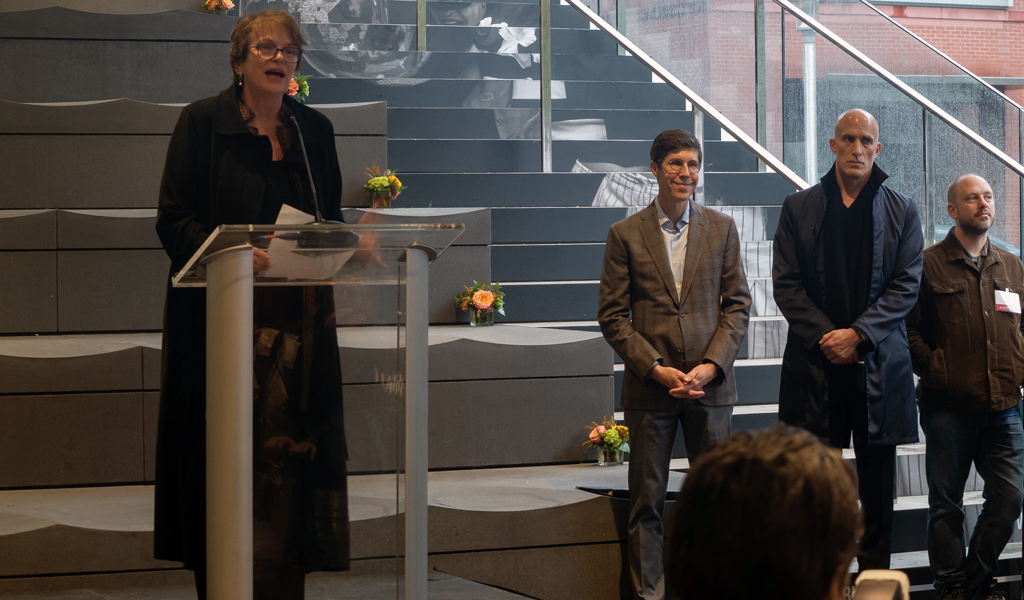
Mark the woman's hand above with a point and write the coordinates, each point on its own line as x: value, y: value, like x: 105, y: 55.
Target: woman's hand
x: 260, y: 260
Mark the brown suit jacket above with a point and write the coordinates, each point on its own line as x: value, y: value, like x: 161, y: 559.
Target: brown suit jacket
x: 706, y: 323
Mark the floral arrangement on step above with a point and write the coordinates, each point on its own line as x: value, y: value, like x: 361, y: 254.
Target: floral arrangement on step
x: 383, y: 187
x: 482, y: 300
x: 298, y: 88
x: 608, y: 436
x: 218, y: 5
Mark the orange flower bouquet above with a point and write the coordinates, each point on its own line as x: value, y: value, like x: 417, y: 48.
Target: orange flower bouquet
x: 219, y: 6
x: 482, y: 301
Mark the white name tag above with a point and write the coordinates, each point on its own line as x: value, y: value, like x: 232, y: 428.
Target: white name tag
x: 1007, y: 302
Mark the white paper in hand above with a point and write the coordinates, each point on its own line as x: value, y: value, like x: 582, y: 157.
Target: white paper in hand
x: 1007, y: 302
x: 288, y: 262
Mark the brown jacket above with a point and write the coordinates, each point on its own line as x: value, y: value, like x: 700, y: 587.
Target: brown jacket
x: 968, y: 355
x: 707, y: 321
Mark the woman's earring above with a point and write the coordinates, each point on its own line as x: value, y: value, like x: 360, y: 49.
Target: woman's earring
x: 240, y: 76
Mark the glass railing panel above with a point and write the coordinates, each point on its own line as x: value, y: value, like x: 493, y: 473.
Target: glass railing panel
x: 931, y: 73
x: 950, y: 156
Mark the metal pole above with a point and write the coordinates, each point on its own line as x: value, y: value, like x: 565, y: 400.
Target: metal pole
x: 760, y: 70
x: 421, y: 25
x: 698, y: 132
x: 416, y: 348
x: 229, y: 425
x: 620, y: 22
x: 545, y: 85
x: 929, y: 208
x: 810, y: 98
x: 782, y: 83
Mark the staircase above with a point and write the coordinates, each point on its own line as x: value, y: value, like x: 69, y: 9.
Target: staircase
x: 80, y: 352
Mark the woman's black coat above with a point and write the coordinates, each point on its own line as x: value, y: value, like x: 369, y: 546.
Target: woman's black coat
x: 216, y: 174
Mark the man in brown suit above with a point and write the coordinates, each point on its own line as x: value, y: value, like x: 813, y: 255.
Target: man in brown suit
x: 675, y: 268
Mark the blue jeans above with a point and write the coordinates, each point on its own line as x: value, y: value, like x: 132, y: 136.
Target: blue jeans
x: 994, y: 441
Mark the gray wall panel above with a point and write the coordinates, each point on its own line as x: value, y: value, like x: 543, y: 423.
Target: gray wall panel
x: 103, y: 6
x: 61, y: 23
x: 150, y: 412
x: 356, y: 154
x: 110, y: 371
x: 151, y: 368
x: 28, y: 230
x: 477, y: 221
x: 112, y: 290
x: 51, y: 171
x: 457, y: 267
x: 101, y: 70
x: 470, y: 412
x: 124, y: 228
x: 71, y: 440
x: 30, y: 306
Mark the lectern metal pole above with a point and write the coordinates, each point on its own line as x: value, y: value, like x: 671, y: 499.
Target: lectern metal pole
x: 416, y: 348
x: 229, y: 425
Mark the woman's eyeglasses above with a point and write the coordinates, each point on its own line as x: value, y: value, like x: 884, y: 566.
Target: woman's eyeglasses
x: 269, y: 52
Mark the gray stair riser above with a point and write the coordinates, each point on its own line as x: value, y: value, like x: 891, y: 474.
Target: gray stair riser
x: 554, y: 225
x: 754, y: 385
x: 547, y: 263
x: 469, y: 412
x: 482, y: 123
x: 565, y: 190
x: 503, y: 156
x: 123, y: 171
x: 550, y: 302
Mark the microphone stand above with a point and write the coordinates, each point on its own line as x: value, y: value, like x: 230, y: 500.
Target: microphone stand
x: 319, y: 219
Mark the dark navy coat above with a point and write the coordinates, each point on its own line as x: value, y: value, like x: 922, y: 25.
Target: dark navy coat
x: 798, y: 274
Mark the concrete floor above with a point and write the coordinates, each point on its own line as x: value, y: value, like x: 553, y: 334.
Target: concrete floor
x: 319, y: 586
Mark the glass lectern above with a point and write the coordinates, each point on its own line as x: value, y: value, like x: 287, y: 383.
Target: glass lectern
x: 301, y: 255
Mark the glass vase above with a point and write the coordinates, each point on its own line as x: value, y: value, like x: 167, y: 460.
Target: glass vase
x: 480, y: 317
x: 609, y: 457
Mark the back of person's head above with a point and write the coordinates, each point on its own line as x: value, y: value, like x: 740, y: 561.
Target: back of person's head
x: 771, y: 515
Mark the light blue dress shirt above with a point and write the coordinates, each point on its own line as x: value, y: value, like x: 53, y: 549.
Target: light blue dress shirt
x: 675, y: 235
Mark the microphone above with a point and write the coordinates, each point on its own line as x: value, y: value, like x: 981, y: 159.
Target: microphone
x: 309, y: 173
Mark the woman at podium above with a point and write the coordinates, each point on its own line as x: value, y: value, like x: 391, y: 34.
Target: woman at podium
x: 233, y: 159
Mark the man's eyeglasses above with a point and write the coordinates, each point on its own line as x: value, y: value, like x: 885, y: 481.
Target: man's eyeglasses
x: 269, y: 52
x: 674, y: 167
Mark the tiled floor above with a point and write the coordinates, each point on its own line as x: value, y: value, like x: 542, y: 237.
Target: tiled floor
x: 319, y: 586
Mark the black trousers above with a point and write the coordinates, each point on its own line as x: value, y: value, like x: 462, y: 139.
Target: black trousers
x: 876, y: 465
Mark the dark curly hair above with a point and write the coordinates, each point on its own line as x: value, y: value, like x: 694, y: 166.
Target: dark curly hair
x: 771, y: 515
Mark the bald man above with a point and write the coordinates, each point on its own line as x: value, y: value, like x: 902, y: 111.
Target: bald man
x: 846, y: 270
x: 965, y: 341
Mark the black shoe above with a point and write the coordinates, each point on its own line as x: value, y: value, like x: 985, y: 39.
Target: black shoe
x: 953, y: 592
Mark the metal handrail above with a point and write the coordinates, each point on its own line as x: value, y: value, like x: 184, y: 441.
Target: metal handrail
x: 942, y: 54
x: 908, y: 91
x: 768, y: 158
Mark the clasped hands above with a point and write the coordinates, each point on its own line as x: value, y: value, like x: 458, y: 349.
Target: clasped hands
x: 840, y: 346
x: 684, y: 385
